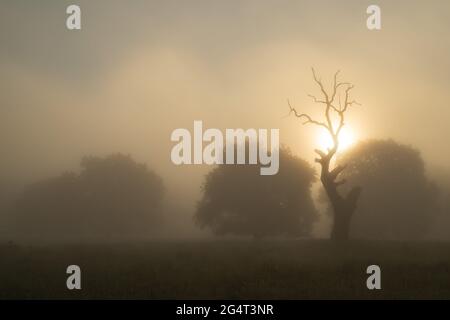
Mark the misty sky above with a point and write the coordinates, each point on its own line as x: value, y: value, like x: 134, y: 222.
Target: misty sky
x: 139, y: 69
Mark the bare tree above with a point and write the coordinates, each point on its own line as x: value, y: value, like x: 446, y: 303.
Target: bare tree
x: 343, y: 205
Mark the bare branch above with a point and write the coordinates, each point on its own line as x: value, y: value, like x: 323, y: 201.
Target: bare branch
x: 354, y: 102
x: 316, y: 100
x: 307, y: 117
x: 336, y: 171
x: 335, y: 78
x: 346, y: 102
x: 319, y: 82
x: 341, y: 124
x: 320, y: 153
x: 335, y: 108
x: 332, y: 110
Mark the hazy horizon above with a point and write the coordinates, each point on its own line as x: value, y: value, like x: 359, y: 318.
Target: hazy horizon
x: 137, y: 71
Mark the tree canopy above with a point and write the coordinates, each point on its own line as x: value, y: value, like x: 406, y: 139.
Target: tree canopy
x: 398, y: 200
x: 238, y: 200
x: 111, y: 197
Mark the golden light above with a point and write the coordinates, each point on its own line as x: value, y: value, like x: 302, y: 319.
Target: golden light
x: 346, y: 139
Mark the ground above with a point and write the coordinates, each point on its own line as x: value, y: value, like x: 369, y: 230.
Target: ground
x: 234, y: 269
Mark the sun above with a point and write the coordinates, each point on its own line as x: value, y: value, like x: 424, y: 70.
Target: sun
x: 346, y: 139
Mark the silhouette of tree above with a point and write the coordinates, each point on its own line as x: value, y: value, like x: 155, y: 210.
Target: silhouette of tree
x: 399, y: 202
x: 238, y: 200
x: 334, y: 107
x: 112, y: 196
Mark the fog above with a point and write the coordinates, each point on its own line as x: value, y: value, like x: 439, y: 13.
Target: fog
x: 138, y: 70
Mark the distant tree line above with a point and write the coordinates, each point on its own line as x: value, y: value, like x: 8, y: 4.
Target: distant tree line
x: 115, y: 196
x: 111, y: 196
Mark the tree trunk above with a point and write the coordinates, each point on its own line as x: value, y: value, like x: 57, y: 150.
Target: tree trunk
x: 343, y: 209
x: 341, y: 223
x: 341, y: 227
x: 343, y: 206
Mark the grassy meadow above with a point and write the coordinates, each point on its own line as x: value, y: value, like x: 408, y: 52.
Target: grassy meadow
x: 232, y: 269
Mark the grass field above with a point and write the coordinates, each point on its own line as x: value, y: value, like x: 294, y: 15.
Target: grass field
x: 227, y: 270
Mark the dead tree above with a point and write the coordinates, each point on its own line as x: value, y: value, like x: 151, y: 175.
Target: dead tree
x: 343, y: 205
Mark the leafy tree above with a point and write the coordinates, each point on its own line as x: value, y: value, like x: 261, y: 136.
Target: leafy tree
x: 112, y: 196
x: 238, y: 200
x: 399, y: 202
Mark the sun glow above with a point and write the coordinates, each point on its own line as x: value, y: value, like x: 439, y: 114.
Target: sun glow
x: 346, y: 139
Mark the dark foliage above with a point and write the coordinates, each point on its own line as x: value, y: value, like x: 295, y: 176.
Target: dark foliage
x: 112, y: 196
x: 238, y: 200
x: 398, y: 201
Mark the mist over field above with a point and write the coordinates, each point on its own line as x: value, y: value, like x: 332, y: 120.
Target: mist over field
x: 86, y: 118
x: 135, y: 72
